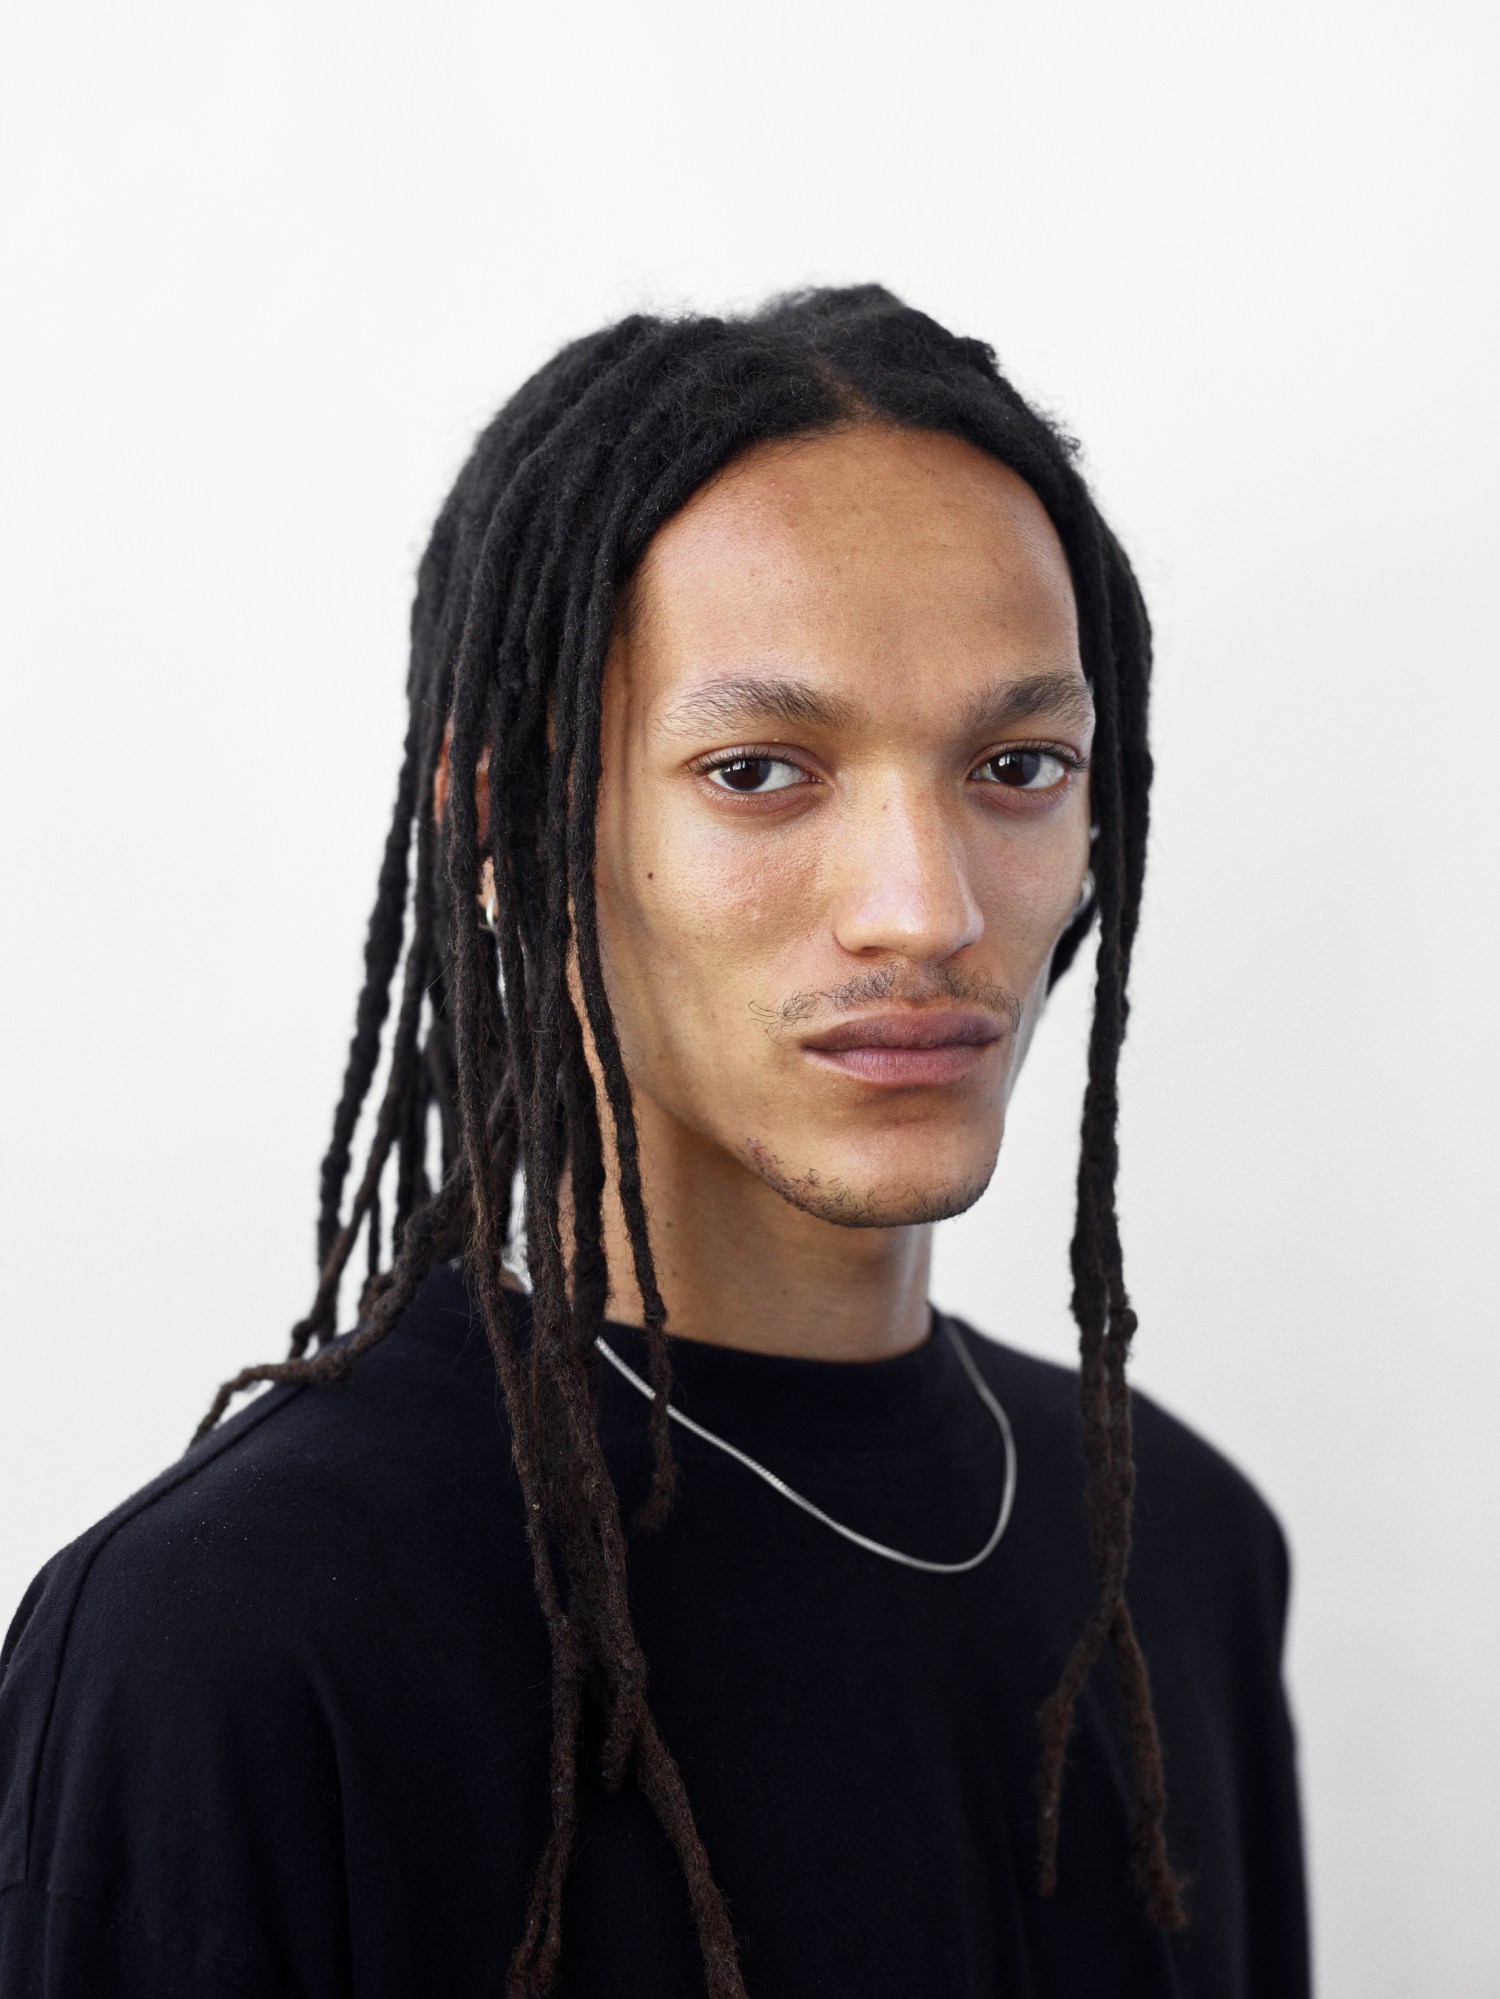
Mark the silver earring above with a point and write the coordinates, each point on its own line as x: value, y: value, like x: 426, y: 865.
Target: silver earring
x: 487, y: 907
x: 1085, y: 896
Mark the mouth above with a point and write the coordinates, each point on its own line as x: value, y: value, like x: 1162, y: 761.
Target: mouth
x: 907, y: 1050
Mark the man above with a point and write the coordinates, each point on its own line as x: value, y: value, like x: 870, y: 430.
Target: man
x: 778, y: 710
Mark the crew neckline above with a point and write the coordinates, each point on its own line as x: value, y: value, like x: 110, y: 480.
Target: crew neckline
x: 816, y: 1403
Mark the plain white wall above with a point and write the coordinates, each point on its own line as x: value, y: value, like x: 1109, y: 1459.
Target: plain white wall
x: 271, y: 266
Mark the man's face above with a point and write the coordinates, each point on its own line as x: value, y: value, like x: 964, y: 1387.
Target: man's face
x: 843, y: 818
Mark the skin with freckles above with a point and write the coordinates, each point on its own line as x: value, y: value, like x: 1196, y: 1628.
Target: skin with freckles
x: 844, y: 806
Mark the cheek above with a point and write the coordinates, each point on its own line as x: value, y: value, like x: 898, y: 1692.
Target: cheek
x: 1027, y: 892
x: 717, y: 891
x: 1032, y: 907
x: 698, y: 922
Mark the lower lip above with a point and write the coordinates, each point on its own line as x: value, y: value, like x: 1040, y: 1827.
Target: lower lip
x: 909, y: 1068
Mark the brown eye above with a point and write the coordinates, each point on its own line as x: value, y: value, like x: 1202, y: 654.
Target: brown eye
x: 1025, y: 770
x: 753, y: 774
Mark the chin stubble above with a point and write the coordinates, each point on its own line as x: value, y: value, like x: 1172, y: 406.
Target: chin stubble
x: 830, y: 1199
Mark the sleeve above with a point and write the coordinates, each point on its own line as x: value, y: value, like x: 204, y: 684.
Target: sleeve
x: 1213, y: 1584
x: 56, y: 1947
x: 1277, y: 1931
x: 169, y: 1800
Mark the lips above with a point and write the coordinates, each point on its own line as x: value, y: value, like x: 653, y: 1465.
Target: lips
x: 941, y: 1028
x: 916, y: 1050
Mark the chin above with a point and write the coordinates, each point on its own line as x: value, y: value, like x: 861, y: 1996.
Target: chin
x: 860, y: 1200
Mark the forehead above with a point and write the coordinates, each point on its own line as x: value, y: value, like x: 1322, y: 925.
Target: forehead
x: 874, y: 556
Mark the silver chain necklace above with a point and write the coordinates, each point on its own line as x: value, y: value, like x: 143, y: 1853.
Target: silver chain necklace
x: 1007, y: 1496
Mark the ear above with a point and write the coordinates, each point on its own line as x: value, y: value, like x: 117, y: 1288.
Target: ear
x: 441, y: 778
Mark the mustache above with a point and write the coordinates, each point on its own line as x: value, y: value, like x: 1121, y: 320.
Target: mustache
x: 902, y: 984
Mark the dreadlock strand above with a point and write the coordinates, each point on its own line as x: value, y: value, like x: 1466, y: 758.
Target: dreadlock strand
x: 382, y: 952
x: 535, y: 1959
x: 586, y: 1180
x: 581, y: 1552
x: 534, y: 1962
x: 1154, y: 1871
x: 660, y: 1779
x: 384, y: 939
x: 372, y: 1267
x: 533, y: 1968
x: 558, y: 1366
x: 1119, y: 895
x: 427, y: 1228
x: 319, y: 1323
x: 1106, y: 1319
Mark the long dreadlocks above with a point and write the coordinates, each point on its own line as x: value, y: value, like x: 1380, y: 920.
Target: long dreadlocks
x: 518, y: 594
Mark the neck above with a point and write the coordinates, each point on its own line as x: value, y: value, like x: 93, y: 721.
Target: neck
x: 739, y: 1266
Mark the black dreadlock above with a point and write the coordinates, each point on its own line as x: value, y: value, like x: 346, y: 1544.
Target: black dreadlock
x: 517, y: 597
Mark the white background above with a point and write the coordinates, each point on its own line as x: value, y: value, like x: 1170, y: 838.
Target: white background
x: 271, y: 266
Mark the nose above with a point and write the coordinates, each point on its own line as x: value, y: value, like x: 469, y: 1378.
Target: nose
x: 901, y: 881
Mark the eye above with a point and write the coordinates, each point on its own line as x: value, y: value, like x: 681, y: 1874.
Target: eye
x: 1028, y: 767
x: 756, y: 775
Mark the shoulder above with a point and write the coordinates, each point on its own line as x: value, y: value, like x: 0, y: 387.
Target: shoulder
x: 241, y: 1588
x: 300, y: 1476
x: 1197, y: 1515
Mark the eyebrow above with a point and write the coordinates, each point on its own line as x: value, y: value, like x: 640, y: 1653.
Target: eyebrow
x: 728, y: 703
x: 753, y: 698
x: 1064, y: 696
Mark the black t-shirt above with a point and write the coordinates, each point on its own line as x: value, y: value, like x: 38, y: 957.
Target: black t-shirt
x: 279, y: 1724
